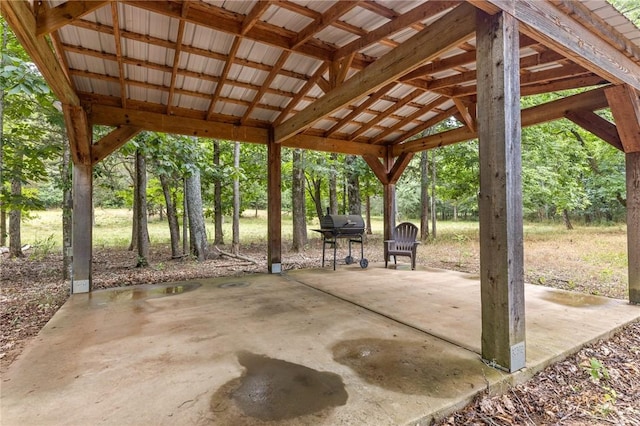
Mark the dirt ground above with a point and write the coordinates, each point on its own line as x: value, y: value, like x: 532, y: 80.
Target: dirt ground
x: 598, y: 385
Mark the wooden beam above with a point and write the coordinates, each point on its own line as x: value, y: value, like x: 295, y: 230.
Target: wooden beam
x: 312, y: 81
x: 399, y: 165
x: 319, y: 143
x: 625, y: 107
x: 468, y: 119
x: 156, y: 122
x: 112, y: 141
x: 328, y: 17
x: 254, y: 15
x: 49, y: 20
x: 377, y: 168
x: 417, y: 14
x: 79, y: 133
x: 592, y: 100
x: 544, y: 22
x: 274, y: 207
x: 82, y: 228
x: 592, y: 122
x: 20, y: 18
x: 450, y: 30
x: 633, y: 224
x: 500, y: 199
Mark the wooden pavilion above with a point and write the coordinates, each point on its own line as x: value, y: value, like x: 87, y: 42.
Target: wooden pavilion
x: 362, y: 77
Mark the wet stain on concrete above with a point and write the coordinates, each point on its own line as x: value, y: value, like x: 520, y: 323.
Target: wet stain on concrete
x: 143, y: 292
x: 408, y: 367
x: 234, y: 284
x: 575, y: 300
x: 273, y: 390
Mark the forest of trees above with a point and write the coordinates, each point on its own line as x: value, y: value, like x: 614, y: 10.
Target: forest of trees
x: 568, y: 174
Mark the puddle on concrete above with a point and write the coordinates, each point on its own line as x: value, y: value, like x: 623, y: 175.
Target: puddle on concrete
x: 407, y: 367
x: 234, y: 284
x: 143, y: 292
x: 276, y: 390
x: 575, y: 300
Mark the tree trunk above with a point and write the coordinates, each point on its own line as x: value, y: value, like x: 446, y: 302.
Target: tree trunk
x: 67, y: 208
x: 565, y: 218
x: 217, y: 196
x: 333, y: 189
x: 197, y: 229
x: 185, y: 219
x: 172, y: 217
x: 235, y: 242
x: 344, y: 196
x: 368, y: 217
x: 141, y: 212
x: 3, y: 211
x: 355, y: 205
x: 434, y: 213
x: 424, y: 196
x: 15, y: 217
x: 134, y: 222
x: 314, y: 187
x: 298, y: 203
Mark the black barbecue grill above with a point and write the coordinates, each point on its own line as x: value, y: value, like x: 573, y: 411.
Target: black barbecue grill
x: 350, y: 227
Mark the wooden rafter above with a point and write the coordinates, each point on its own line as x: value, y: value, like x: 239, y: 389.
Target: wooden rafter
x: 362, y: 107
x: 20, y: 17
x: 266, y: 84
x: 417, y: 14
x: 223, y: 77
x: 118, y: 43
x: 328, y: 18
x: 408, y: 119
x: 592, y: 101
x: 302, y: 93
x: 451, y: 29
x: 176, y: 57
x: 49, y: 20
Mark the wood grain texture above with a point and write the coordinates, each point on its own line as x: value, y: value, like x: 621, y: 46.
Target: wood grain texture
x: 633, y: 224
x: 625, y: 107
x: 500, y: 199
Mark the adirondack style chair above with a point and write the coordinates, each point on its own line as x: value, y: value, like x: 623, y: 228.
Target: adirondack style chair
x: 403, y: 244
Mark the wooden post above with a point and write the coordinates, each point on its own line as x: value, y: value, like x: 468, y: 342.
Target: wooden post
x: 274, y: 212
x: 633, y: 224
x: 501, y: 233
x: 82, y: 231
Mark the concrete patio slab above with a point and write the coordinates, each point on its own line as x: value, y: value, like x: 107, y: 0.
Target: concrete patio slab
x: 280, y: 349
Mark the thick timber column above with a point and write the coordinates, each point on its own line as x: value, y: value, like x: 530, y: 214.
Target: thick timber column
x: 501, y: 235
x: 633, y: 224
x: 274, y: 212
x: 80, y: 144
x: 82, y: 229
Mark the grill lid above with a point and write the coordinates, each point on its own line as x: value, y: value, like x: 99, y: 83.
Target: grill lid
x: 342, y: 221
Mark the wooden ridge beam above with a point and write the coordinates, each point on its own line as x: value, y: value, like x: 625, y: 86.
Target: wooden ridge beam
x: 625, y: 107
x: 544, y: 22
x: 157, y: 122
x: 49, y: 20
x: 112, y: 141
x: 592, y: 101
x: 20, y: 18
x: 450, y: 30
